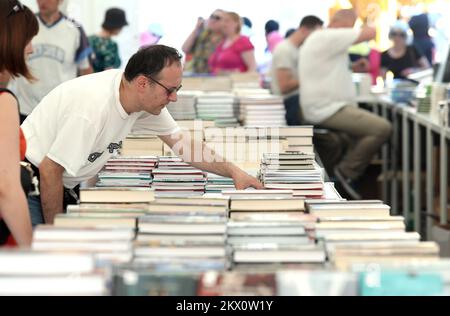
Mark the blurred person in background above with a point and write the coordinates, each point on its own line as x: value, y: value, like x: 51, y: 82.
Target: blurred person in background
x: 152, y: 36
x: 105, y: 50
x: 273, y: 36
x: 402, y: 59
x: 328, y: 96
x: 284, y: 69
x: 61, y: 53
x: 420, y: 27
x: 236, y: 53
x: 203, y: 41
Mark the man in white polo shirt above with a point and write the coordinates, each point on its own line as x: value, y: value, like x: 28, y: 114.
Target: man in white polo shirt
x: 80, y: 124
x: 328, y: 95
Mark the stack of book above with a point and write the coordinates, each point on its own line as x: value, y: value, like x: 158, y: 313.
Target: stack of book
x: 423, y: 100
x: 207, y: 83
x: 292, y: 171
x: 127, y: 172
x: 364, y: 231
x: 107, y: 245
x: 217, y: 184
x: 263, y: 111
x: 250, y: 81
x: 107, y: 208
x: 142, y: 145
x: 270, y: 227
x: 298, y: 138
x: 38, y: 273
x: 243, y: 146
x: 184, y: 107
x: 174, y: 176
x: 222, y: 108
x: 166, y: 278
x: 183, y: 228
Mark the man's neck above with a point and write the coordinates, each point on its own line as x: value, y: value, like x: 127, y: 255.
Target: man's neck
x: 125, y: 96
x: 49, y: 19
x: 297, y: 38
x: 105, y: 34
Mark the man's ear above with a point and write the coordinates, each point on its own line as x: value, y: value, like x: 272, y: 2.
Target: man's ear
x: 141, y: 82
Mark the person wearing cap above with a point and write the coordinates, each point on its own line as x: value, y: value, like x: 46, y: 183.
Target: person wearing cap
x: 61, y: 53
x: 106, y: 51
x: 402, y: 59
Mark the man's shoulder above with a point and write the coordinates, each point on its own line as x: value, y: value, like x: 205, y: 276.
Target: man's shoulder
x: 284, y: 47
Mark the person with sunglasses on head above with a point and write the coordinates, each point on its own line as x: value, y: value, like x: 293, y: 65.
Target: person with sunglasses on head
x: 61, y: 53
x: 402, y: 59
x: 81, y: 124
x: 202, y: 42
x: 19, y: 26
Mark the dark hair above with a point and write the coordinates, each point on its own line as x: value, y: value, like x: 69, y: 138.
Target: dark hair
x: 150, y: 61
x: 271, y: 26
x: 289, y: 33
x: 115, y: 19
x: 311, y: 21
x: 246, y: 21
x: 19, y: 27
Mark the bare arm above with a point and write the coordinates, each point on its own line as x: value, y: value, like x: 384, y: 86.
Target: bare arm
x: 249, y: 60
x: 367, y: 34
x: 286, y: 80
x: 208, y: 161
x: 13, y: 204
x: 52, y: 189
x: 190, y: 41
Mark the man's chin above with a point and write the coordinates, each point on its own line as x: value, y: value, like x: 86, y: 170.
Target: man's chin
x: 158, y: 110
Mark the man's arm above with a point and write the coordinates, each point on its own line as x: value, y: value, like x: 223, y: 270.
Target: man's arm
x: 190, y: 41
x: 286, y: 80
x: 249, y: 60
x: 367, y: 34
x: 185, y: 147
x: 52, y: 189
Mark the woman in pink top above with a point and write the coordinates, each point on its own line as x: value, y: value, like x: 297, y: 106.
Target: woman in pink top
x: 236, y: 53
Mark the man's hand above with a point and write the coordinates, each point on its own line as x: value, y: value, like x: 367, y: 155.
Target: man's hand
x: 361, y: 65
x: 243, y: 181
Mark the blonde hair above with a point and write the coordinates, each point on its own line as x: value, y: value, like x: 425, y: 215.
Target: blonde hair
x: 236, y: 18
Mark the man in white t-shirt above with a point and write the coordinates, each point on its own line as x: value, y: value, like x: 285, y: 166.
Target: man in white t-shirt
x: 328, y: 95
x: 80, y: 124
x: 60, y: 53
x: 284, y: 69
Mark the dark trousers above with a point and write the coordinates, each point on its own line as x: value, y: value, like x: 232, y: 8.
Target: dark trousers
x: 292, y: 106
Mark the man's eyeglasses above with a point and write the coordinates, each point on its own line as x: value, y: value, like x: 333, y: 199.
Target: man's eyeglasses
x: 215, y: 17
x: 169, y: 91
x: 17, y: 8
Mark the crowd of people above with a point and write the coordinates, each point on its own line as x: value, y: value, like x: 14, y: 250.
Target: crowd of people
x: 58, y: 74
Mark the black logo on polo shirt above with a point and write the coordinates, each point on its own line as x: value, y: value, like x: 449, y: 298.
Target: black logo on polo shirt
x: 93, y: 157
x: 114, y: 146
